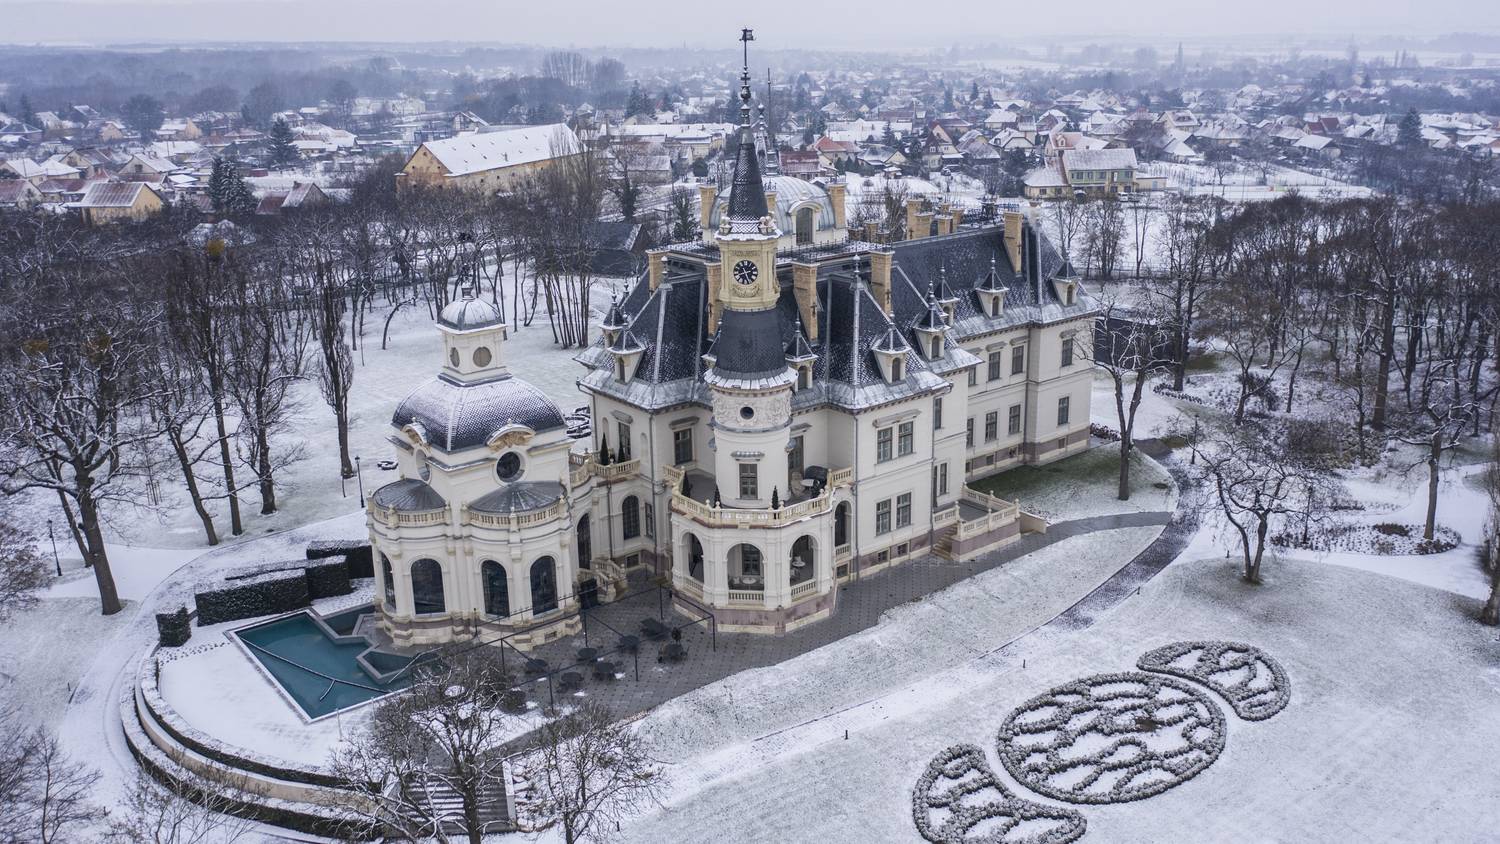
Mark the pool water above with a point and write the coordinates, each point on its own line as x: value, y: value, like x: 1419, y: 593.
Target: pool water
x: 322, y: 674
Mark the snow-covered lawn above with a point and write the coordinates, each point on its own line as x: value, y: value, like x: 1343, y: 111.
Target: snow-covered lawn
x: 1387, y: 737
x: 1084, y: 485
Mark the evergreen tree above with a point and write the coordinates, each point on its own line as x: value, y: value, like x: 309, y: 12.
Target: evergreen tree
x: 947, y: 99
x: 974, y: 92
x: 28, y: 114
x: 228, y: 191
x: 283, y: 153
x: 1409, y: 133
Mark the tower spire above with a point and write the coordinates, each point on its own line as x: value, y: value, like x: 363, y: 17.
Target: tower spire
x: 747, y: 194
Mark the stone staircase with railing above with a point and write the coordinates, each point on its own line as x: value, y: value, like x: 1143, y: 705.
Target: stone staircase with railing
x: 441, y: 801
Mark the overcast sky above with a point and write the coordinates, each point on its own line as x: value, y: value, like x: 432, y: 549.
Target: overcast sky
x: 781, y: 23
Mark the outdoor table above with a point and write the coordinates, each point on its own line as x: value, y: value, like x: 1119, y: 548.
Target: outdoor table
x: 571, y: 680
x: 628, y: 643
x: 587, y: 654
x: 653, y: 629
x: 604, y: 670
x: 536, y: 665
x: 674, y: 651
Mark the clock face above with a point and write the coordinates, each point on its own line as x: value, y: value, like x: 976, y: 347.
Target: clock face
x: 745, y: 272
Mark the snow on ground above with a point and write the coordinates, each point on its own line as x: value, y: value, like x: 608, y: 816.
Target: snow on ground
x: 1084, y: 485
x: 942, y: 631
x: 1386, y: 737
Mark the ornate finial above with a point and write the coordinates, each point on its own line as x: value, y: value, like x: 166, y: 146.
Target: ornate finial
x: 746, y: 36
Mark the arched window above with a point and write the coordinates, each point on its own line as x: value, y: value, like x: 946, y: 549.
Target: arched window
x: 630, y: 517
x: 841, y: 524
x: 801, y: 566
x: 427, y: 587
x: 695, y: 558
x: 390, y: 582
x: 585, y: 544
x: 496, y: 589
x: 804, y: 225
x: 543, y: 586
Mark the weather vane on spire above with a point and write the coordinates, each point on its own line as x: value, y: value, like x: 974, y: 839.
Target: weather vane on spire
x: 746, y: 36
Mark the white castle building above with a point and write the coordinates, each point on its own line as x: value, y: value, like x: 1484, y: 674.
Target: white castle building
x: 777, y: 408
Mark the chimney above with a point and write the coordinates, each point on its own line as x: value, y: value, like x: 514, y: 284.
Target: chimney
x: 706, y: 195
x: 836, y: 199
x: 771, y: 204
x: 872, y: 231
x: 880, y: 277
x: 914, y: 227
x: 656, y: 263
x: 1013, y: 239
x: 715, y: 307
x: 805, y: 288
x: 944, y: 222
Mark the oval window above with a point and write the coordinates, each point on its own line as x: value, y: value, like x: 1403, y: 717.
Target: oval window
x: 453, y: 357
x: 482, y: 357
x: 508, y: 467
x: 747, y: 412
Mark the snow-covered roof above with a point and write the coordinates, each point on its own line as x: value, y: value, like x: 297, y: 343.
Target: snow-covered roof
x: 1099, y: 159
x: 476, y: 152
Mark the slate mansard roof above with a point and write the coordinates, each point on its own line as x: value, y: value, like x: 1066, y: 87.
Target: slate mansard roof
x: 672, y: 323
x: 455, y: 415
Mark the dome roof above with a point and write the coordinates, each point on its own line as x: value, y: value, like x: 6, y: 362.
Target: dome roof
x: 519, y: 497
x: 468, y: 314
x: 791, y: 192
x: 409, y: 496
x: 455, y: 415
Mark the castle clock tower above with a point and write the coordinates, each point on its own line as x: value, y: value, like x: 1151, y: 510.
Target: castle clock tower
x: 750, y: 382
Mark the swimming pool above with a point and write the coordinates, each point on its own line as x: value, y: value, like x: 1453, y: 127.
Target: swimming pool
x: 321, y: 664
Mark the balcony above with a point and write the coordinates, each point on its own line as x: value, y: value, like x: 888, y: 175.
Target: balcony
x: 697, y: 503
x: 583, y: 466
x: 513, y: 521
x: 391, y: 517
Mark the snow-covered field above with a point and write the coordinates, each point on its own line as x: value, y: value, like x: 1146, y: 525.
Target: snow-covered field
x: 1388, y: 737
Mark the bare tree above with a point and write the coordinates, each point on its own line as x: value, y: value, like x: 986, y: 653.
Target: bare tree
x: 1130, y: 346
x: 154, y: 813
x: 429, y: 764
x: 44, y: 795
x: 1255, y: 482
x: 1491, y: 613
x: 588, y: 772
x: 335, y: 361
x: 22, y: 570
x: 681, y: 213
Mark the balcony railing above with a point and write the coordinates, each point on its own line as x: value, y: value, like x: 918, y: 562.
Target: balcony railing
x: 508, y: 521
x: 739, y: 517
x: 747, y: 596
x: 803, y: 589
x: 616, y: 470
x: 1001, y: 513
x: 391, y: 517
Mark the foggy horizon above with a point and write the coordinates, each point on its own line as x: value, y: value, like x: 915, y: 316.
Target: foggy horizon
x: 598, y: 24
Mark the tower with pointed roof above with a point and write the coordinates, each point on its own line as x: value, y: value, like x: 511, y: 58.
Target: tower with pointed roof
x: 747, y: 232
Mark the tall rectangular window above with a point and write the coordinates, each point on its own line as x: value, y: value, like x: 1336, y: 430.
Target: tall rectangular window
x: 1013, y: 423
x: 942, y: 479
x: 903, y: 510
x: 994, y: 373
x: 884, y: 444
x: 682, y: 446
x: 883, y: 516
x: 905, y: 438
x: 622, y: 447
x: 1067, y: 351
x: 794, y: 460
x: 973, y: 375
x: 749, y: 481
x: 1062, y: 411
x: 992, y: 426
x: 649, y: 514
x: 937, y: 414
x: 1017, y: 360
x: 969, y: 433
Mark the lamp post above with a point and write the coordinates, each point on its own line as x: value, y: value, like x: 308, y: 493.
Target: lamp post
x: 360, y: 475
x: 53, y: 537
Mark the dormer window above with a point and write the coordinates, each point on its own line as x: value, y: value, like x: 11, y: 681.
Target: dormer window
x: 937, y: 348
x: 898, y: 369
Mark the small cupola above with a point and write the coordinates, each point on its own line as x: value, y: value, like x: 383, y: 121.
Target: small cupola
x: 932, y: 328
x: 614, y: 321
x: 991, y: 291
x: 890, y: 350
x: 626, y: 350
x: 1065, y: 283
x: 800, y: 356
x: 472, y: 333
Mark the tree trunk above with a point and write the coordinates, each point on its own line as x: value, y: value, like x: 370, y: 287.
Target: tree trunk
x: 1252, y: 571
x: 236, y: 526
x: 1383, y: 362
x: 94, y: 554
x: 185, y: 462
x: 1433, y: 456
x: 346, y: 466
x: 1125, y: 448
x: 1491, y: 613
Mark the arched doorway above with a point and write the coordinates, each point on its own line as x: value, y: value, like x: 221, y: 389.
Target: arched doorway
x: 841, y: 524
x: 803, y: 562
x: 694, y: 558
x: 746, y: 568
x: 804, y: 224
x: 389, y: 579
x: 585, y: 542
x: 496, y: 589
x: 427, y: 588
x: 543, y: 585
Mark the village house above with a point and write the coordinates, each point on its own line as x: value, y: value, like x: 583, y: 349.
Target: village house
x: 487, y: 161
x: 118, y: 202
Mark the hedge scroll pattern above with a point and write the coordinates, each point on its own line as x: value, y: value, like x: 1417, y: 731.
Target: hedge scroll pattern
x: 1252, y: 681
x: 959, y: 800
x: 1112, y: 738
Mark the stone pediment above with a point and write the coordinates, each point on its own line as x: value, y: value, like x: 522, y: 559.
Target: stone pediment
x: 510, y: 436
